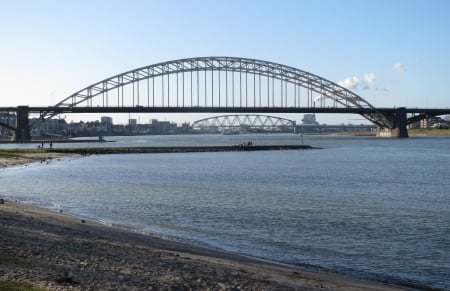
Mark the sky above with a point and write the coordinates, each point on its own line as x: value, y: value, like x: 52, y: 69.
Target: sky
x: 390, y: 52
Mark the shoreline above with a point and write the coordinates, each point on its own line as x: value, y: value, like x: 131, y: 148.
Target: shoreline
x: 37, y: 241
x: 19, y: 157
x: 55, y: 251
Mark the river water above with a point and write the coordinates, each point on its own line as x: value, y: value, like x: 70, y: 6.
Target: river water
x: 369, y: 207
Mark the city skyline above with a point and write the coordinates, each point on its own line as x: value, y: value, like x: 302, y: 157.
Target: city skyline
x: 392, y: 53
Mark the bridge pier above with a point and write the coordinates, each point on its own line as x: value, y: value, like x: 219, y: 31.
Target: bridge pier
x: 22, y: 130
x: 399, y: 121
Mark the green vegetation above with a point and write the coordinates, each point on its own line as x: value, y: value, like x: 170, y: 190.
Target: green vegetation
x: 13, y: 153
x: 11, y: 261
x: 11, y: 285
x: 17, y: 286
x: 429, y: 132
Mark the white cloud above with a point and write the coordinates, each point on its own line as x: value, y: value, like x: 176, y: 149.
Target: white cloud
x: 355, y: 83
x: 350, y: 83
x: 369, y: 78
x: 399, y: 67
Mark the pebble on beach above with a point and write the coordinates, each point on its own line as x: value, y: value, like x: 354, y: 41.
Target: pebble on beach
x: 55, y: 252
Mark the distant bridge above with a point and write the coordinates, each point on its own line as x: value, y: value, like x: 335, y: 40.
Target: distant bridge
x: 235, y: 122
x: 221, y: 85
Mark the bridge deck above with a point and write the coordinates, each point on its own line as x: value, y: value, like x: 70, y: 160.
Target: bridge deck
x: 146, y: 109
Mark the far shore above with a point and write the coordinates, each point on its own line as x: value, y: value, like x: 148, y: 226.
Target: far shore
x: 42, y: 249
x: 413, y: 132
x: 429, y: 132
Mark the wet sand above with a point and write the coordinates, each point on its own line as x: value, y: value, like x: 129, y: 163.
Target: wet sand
x: 17, y: 157
x: 55, y: 251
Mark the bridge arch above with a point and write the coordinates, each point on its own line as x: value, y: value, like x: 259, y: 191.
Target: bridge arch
x: 241, y: 120
x: 218, y: 83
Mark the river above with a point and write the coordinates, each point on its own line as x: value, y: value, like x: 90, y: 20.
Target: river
x: 370, y: 207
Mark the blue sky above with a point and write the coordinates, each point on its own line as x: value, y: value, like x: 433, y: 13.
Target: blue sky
x: 391, y: 52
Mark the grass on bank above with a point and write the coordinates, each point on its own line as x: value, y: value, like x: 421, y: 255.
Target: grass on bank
x: 11, y: 153
x: 13, y: 285
x: 17, y: 286
x: 411, y: 132
x: 11, y: 261
x: 429, y: 132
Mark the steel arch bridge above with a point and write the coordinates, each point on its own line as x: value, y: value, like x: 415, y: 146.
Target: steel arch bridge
x: 218, y: 84
x: 225, y: 122
x: 221, y: 85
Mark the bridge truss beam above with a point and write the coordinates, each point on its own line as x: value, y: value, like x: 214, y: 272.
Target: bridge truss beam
x: 401, y: 116
x: 247, y: 120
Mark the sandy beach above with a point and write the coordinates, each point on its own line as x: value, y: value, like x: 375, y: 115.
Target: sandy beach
x: 17, y: 157
x: 52, y: 251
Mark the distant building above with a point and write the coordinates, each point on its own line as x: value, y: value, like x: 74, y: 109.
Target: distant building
x: 106, y: 124
x: 162, y: 127
x: 424, y: 123
x: 132, y: 122
x: 434, y: 122
x: 310, y: 119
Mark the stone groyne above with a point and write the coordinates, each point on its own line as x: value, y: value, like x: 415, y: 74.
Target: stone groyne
x: 180, y: 149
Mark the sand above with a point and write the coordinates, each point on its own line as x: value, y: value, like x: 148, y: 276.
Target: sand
x: 9, y: 158
x: 57, y: 252
x: 54, y: 251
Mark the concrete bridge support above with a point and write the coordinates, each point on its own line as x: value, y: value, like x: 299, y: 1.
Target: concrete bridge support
x: 22, y: 130
x: 399, y: 121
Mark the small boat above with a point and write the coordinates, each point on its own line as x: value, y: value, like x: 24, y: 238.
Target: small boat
x: 230, y: 132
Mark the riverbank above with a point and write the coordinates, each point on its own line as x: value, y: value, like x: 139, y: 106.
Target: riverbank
x: 430, y: 132
x: 50, y: 250
x: 16, y: 157
x: 412, y: 132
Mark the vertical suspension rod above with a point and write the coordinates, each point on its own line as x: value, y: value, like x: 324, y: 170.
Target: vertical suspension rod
x: 246, y: 87
x: 162, y: 88
x: 118, y: 92
x: 137, y: 86
x: 254, y: 86
x: 153, y: 89
x: 198, y: 85
x: 168, y: 88
x: 148, y: 87
x: 240, y: 85
x: 212, y: 83
x: 226, y: 84
x: 178, y: 68
x: 132, y: 84
x: 260, y: 90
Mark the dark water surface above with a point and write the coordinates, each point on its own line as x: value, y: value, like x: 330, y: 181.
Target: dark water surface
x: 375, y: 208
